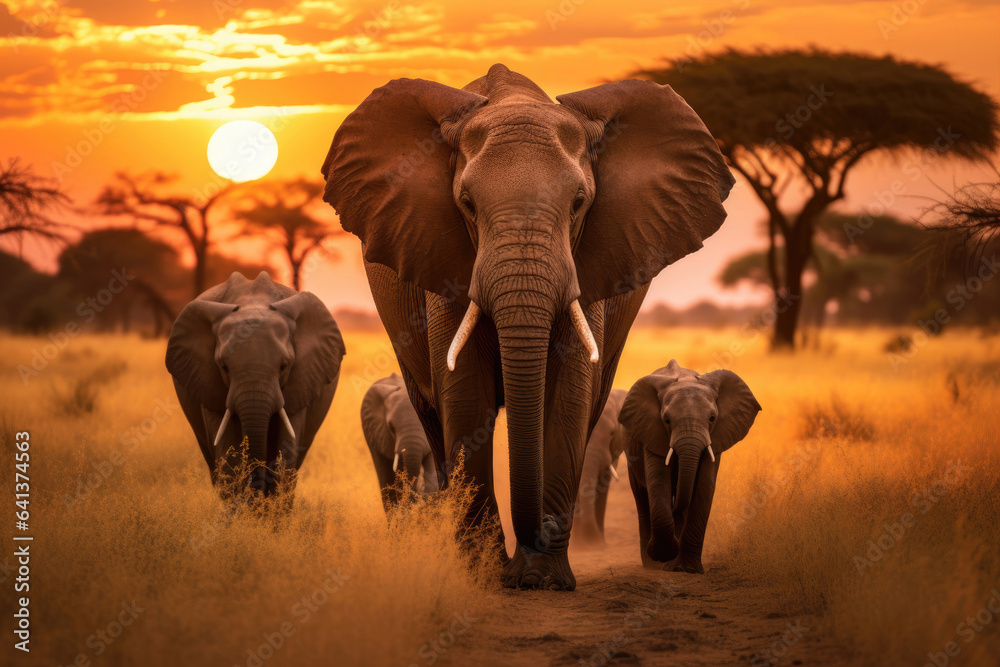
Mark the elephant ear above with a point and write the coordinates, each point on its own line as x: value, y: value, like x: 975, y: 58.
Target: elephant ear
x: 660, y: 183
x: 640, y: 415
x: 389, y: 175
x: 191, y: 352
x: 737, y: 407
x: 319, y: 349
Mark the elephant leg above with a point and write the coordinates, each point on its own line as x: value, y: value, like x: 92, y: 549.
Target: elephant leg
x: 386, y: 480
x: 466, y: 405
x: 693, y: 535
x: 642, y: 510
x: 570, y: 382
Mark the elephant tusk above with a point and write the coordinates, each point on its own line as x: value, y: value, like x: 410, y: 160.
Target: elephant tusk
x: 222, y: 428
x: 614, y: 473
x: 395, y: 463
x: 711, y: 454
x: 583, y: 330
x: 462, y: 335
x: 288, y: 424
x: 669, y: 454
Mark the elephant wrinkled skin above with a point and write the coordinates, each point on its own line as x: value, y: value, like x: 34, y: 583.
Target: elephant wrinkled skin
x: 677, y: 424
x: 259, y: 360
x: 543, y: 223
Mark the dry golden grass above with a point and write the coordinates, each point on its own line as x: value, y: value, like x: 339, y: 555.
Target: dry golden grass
x: 212, y: 586
x: 846, y: 445
x: 841, y: 447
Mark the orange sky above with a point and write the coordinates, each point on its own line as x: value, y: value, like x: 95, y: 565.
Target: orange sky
x: 141, y: 85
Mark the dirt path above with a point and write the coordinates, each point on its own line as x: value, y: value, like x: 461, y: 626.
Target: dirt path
x: 623, y: 614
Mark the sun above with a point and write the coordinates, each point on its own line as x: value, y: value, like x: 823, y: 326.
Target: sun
x: 242, y: 150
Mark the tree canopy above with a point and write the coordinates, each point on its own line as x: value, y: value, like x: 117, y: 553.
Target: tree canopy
x: 788, y: 120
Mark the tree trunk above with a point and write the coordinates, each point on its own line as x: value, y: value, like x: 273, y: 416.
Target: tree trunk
x: 200, y: 259
x: 798, y: 250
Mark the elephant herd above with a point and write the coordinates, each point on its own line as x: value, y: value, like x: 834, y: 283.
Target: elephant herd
x: 509, y: 241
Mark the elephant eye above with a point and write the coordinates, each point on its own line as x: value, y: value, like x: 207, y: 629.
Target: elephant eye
x: 467, y: 203
x: 578, y: 202
x: 666, y: 421
x: 711, y: 418
x: 284, y: 365
x: 225, y: 368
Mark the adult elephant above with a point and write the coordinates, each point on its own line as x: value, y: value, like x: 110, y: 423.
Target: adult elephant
x: 543, y: 223
x: 257, y: 360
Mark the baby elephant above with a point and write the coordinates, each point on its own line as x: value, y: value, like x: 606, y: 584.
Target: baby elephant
x: 677, y: 424
x: 396, y: 439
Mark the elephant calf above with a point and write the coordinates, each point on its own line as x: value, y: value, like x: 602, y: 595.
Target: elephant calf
x: 676, y: 425
x: 396, y: 439
x: 257, y: 360
x: 600, y: 463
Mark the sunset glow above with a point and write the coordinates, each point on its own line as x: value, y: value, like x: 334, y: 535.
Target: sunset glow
x: 242, y: 150
x: 90, y: 88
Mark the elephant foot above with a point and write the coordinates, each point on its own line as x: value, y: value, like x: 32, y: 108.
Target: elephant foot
x: 662, y: 550
x: 542, y: 570
x: 685, y: 563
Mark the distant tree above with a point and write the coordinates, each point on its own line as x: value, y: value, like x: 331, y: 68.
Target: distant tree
x: 25, y: 200
x: 806, y: 118
x: 30, y: 300
x: 147, y: 274
x: 879, y: 277
x: 290, y: 215
x: 141, y: 198
x: 971, y: 218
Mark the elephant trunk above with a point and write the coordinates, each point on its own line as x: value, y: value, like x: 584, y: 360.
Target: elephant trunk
x: 411, y: 458
x: 523, y: 278
x: 255, y: 402
x: 688, y: 444
x: 523, y: 356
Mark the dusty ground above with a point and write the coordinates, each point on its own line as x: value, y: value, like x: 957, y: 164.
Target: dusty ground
x: 624, y: 614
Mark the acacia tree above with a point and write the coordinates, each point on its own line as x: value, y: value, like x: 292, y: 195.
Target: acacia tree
x: 972, y: 216
x: 288, y: 214
x: 142, y: 199
x: 24, y: 199
x: 793, y: 121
